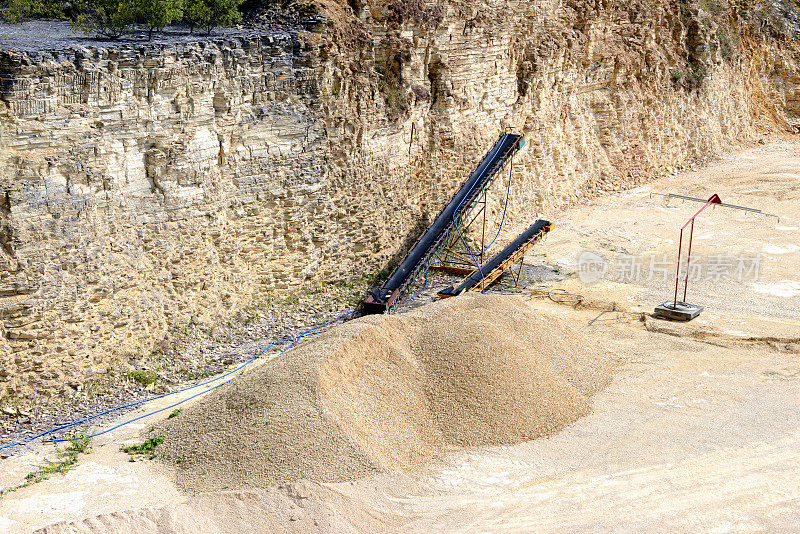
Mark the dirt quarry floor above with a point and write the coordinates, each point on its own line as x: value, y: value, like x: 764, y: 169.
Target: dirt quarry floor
x: 698, y: 430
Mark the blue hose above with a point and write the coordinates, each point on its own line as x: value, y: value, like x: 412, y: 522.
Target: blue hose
x: 505, y: 206
x: 469, y: 251
x: 62, y: 440
x: 308, y: 332
x: 421, y: 290
x: 136, y: 403
x: 294, y: 341
x: 502, y: 220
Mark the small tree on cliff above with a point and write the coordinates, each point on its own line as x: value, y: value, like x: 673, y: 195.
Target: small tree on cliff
x: 158, y: 13
x: 19, y: 10
x: 108, y: 18
x: 209, y: 14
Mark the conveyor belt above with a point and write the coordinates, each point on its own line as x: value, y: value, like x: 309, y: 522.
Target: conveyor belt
x: 495, y: 267
x: 382, y: 299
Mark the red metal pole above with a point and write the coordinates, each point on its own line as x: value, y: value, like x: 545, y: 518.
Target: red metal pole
x: 678, y: 273
x: 713, y: 200
x: 688, y: 259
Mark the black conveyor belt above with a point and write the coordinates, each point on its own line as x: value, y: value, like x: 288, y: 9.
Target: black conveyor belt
x: 381, y: 298
x: 487, y: 268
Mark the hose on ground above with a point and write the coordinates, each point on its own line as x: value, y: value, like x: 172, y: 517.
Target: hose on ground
x: 294, y: 341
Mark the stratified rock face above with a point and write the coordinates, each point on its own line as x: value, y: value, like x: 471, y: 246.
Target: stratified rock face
x: 143, y: 188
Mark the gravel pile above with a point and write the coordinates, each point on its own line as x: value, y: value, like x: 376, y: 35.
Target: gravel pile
x: 390, y: 393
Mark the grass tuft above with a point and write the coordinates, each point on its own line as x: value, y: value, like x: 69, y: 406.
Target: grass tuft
x: 78, y: 445
x: 143, y: 377
x: 146, y: 447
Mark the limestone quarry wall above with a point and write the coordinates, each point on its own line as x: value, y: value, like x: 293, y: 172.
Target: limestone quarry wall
x: 144, y: 188
x: 148, y: 187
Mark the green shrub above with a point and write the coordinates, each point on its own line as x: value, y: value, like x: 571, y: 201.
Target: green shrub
x: 19, y: 10
x: 114, y: 18
x: 143, y: 377
x: 158, y: 13
x: 146, y: 447
x: 690, y: 78
x: 727, y: 46
x: 106, y: 18
x: 77, y: 445
x: 208, y: 14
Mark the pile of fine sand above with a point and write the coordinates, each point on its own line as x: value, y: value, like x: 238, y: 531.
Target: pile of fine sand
x: 390, y: 393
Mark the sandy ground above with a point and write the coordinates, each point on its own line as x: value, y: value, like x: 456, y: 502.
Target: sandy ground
x: 698, y: 431
x: 744, y: 264
x: 104, y: 481
x: 689, y: 437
